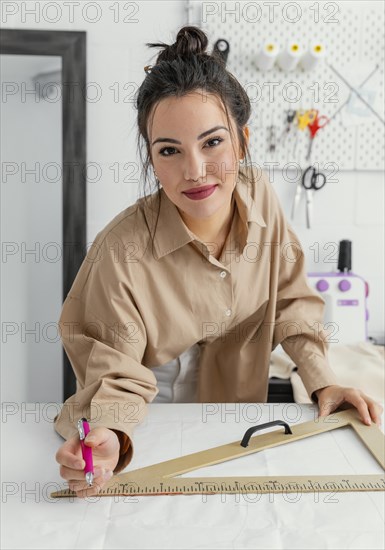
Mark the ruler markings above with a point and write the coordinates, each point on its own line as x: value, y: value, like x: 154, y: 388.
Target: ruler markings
x: 149, y: 480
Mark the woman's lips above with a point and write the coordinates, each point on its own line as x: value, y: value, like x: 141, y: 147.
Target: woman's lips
x: 201, y: 194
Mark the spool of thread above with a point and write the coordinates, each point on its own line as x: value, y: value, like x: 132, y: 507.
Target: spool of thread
x: 345, y: 256
x: 289, y: 57
x: 265, y: 59
x: 312, y: 56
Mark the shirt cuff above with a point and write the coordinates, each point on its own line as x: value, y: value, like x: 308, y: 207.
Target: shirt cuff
x: 316, y: 376
x: 126, y: 451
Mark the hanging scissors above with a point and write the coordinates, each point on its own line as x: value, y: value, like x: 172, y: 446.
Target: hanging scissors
x: 315, y: 125
x: 272, y: 137
x: 311, y: 180
x: 303, y: 119
x: 290, y: 116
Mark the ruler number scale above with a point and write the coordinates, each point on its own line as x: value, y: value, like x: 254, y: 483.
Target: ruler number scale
x: 161, y: 479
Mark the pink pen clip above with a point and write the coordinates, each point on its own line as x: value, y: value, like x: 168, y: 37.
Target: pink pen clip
x: 83, y: 429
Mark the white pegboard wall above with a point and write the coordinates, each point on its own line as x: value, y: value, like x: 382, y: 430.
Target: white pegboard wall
x: 353, y: 36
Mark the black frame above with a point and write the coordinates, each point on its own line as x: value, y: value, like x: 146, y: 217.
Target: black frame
x: 71, y: 46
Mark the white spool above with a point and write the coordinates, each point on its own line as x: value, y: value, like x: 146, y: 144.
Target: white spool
x: 265, y: 59
x: 312, y: 56
x: 289, y: 57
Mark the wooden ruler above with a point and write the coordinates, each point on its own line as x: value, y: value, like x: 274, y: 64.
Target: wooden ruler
x: 159, y: 479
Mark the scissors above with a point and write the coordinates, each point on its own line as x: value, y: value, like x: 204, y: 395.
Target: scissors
x: 303, y: 118
x: 311, y: 180
x: 272, y: 137
x: 290, y: 116
x: 315, y: 125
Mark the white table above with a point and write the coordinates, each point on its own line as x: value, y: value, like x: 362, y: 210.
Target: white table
x: 31, y: 519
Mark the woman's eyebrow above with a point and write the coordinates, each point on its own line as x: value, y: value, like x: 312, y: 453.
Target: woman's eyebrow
x: 204, y: 134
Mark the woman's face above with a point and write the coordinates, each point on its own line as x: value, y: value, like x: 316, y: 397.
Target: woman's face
x: 190, y: 140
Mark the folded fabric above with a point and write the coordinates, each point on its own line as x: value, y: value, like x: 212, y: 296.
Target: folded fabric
x: 360, y: 365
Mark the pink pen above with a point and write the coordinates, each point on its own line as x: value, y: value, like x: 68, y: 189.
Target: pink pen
x: 84, y: 428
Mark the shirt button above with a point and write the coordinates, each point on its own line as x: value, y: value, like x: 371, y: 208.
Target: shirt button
x: 223, y: 274
x: 228, y: 312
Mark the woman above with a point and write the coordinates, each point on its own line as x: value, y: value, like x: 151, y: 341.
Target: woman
x: 208, y: 260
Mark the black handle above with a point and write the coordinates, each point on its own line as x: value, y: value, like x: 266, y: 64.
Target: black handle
x: 253, y: 429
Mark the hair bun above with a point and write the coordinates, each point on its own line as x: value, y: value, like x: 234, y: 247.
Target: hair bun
x: 190, y: 40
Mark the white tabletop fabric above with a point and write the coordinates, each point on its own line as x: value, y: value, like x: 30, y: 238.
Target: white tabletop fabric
x: 31, y: 519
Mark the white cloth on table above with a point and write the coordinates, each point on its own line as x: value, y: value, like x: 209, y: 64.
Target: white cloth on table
x: 360, y: 365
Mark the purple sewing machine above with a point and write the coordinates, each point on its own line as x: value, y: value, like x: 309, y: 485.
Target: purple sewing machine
x: 345, y: 295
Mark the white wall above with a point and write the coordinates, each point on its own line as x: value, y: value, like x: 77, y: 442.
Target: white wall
x: 352, y: 209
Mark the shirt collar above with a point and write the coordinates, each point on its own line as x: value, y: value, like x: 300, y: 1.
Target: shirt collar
x: 171, y: 231
x: 247, y: 207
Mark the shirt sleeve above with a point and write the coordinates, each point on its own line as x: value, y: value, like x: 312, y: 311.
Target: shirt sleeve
x: 299, y: 312
x: 105, y: 338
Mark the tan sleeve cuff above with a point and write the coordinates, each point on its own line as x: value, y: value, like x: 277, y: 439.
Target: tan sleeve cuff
x: 316, y: 377
x: 126, y: 451
x: 310, y: 355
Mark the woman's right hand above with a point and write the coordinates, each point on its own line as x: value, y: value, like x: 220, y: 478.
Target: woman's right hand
x: 105, y: 453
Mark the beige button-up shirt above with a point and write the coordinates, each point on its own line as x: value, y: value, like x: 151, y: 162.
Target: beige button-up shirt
x: 133, y: 307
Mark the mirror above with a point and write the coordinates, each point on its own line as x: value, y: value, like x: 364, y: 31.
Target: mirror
x: 43, y: 206
x: 31, y: 227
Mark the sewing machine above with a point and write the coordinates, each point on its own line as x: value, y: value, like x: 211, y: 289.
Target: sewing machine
x: 345, y: 316
x: 346, y: 313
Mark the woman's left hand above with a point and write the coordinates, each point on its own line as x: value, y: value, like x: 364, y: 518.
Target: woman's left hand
x: 331, y: 397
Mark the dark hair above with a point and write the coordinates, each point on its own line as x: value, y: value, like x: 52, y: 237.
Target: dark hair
x: 182, y: 68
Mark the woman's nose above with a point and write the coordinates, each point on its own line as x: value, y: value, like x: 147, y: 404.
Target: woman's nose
x: 195, y: 168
